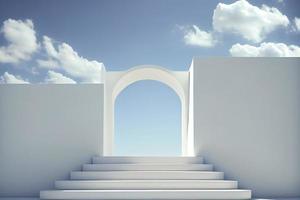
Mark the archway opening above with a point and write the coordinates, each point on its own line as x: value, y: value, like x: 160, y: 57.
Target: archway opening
x: 147, y: 120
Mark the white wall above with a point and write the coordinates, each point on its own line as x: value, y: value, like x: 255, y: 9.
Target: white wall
x: 45, y: 132
x: 247, y: 121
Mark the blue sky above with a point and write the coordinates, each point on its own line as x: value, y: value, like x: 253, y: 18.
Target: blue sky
x: 70, y: 41
x: 148, y: 122
x: 122, y: 34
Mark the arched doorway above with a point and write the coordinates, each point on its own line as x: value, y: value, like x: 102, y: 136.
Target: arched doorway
x: 147, y: 120
x: 116, y: 82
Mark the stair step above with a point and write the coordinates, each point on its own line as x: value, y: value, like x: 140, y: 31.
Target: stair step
x: 149, y: 175
x: 137, y: 159
x: 144, y: 184
x: 148, y: 166
x: 145, y: 194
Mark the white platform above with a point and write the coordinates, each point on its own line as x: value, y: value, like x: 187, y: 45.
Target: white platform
x: 143, y: 160
x: 37, y: 198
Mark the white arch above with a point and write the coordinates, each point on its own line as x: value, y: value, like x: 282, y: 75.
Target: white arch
x: 118, y: 81
x: 147, y: 72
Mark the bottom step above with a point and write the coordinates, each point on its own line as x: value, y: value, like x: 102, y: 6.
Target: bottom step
x: 145, y: 194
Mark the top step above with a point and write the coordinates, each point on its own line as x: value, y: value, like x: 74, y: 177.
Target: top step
x: 139, y: 159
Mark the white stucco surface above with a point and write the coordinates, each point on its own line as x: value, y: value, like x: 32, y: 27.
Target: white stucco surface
x: 247, y: 121
x: 46, y: 131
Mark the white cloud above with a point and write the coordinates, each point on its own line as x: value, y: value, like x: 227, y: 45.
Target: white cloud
x: 297, y: 24
x: 265, y: 50
x: 9, y: 78
x: 49, y: 47
x: 66, y: 58
x: 48, y: 64
x: 21, y: 38
x: 22, y: 43
x: 54, y: 77
x: 280, y: 1
x: 197, y: 37
x: 251, y: 22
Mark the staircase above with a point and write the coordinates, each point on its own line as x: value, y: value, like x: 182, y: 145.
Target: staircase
x: 146, y: 178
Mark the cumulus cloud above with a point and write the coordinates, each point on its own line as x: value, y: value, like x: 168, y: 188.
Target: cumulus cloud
x: 22, y: 43
x: 196, y: 37
x: 265, y: 50
x: 251, y: 22
x: 58, y: 78
x: 49, y: 47
x: 48, y: 64
x: 66, y: 58
x: 21, y: 38
x: 9, y: 78
x: 297, y: 24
